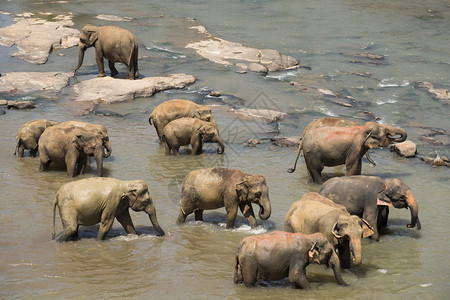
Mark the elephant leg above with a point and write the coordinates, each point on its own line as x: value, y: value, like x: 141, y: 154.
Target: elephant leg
x: 81, y: 165
x: 45, y: 162
x: 372, y: 217
x: 20, y: 151
x: 297, y: 275
x: 249, y: 270
x: 99, y: 60
x: 231, y: 215
x: 135, y: 65
x: 199, y: 215
x: 247, y: 211
x: 70, y: 164
x: 383, y: 213
x: 130, y: 71
x: 112, y: 68
x: 186, y: 208
x: 344, y: 256
x: 70, y: 225
x: 167, y: 149
x: 32, y: 152
x: 126, y: 222
x: 353, y: 166
x: 197, y: 145
x: 105, y: 226
x: 315, y: 168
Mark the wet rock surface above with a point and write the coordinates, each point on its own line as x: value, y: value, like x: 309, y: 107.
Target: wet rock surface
x: 441, y: 94
x: 43, y: 84
x: 406, y: 149
x: 265, y: 114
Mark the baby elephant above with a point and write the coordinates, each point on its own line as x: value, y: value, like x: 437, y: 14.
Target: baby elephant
x: 90, y: 201
x: 220, y: 187
x: 281, y: 254
x: 28, y: 136
x: 185, y: 131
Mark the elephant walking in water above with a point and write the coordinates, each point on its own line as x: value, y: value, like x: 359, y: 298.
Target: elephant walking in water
x: 369, y: 197
x: 90, y: 201
x: 28, y: 136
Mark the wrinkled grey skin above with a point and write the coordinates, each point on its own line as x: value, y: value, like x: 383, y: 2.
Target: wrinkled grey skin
x: 315, y: 213
x: 279, y: 254
x: 213, y: 188
x: 113, y: 43
x: 185, y: 131
x: 87, y: 202
x: 331, y: 142
x: 70, y: 147
x: 28, y: 135
x: 174, y: 109
x: 369, y: 197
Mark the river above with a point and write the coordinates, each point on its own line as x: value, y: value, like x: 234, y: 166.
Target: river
x: 196, y: 260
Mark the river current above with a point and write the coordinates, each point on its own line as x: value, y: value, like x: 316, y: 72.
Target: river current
x: 196, y: 260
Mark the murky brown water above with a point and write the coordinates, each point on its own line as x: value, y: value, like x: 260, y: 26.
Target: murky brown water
x: 196, y: 260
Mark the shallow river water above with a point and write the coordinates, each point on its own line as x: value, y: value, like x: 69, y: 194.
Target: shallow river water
x: 196, y: 260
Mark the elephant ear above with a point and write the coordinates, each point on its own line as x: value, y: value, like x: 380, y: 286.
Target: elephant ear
x: 313, y: 253
x: 367, y: 228
x: 242, y: 190
x: 383, y: 199
x: 335, y: 231
x: 79, y: 141
x: 93, y: 36
x: 131, y: 196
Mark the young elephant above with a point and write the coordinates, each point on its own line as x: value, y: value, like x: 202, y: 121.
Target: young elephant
x: 90, y: 201
x: 70, y: 147
x: 113, y: 43
x: 220, y: 187
x: 178, y: 108
x: 328, y: 142
x: 281, y: 254
x: 28, y: 136
x: 369, y: 197
x: 185, y: 131
x: 315, y: 213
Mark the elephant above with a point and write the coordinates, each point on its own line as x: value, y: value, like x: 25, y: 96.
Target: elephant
x: 101, y: 129
x: 175, y: 109
x: 70, y: 147
x: 279, y: 254
x: 213, y: 188
x: 185, y: 131
x: 113, y: 43
x: 369, y: 197
x: 315, y: 213
x: 330, y: 143
x: 89, y: 201
x: 28, y: 135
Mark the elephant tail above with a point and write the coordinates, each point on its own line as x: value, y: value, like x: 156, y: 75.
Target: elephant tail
x: 238, y: 272
x: 55, y: 202
x: 300, y: 146
x: 150, y: 118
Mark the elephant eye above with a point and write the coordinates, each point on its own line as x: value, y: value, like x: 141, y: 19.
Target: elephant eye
x: 258, y: 194
x: 402, y: 198
x: 208, y: 119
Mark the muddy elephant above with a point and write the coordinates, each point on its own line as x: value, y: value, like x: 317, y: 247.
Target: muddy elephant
x: 212, y: 188
x: 315, y: 213
x: 70, y: 147
x: 326, y: 143
x: 113, y: 43
x: 185, y: 131
x: 28, y: 135
x: 175, y: 109
x: 369, y: 197
x: 100, y: 129
x: 279, y: 254
x: 87, y: 202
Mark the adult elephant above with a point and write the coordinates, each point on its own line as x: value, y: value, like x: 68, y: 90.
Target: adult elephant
x: 113, y: 43
x: 100, y: 129
x: 28, y: 135
x: 213, y: 188
x: 90, y: 201
x: 185, y: 131
x: 176, y: 109
x: 369, y: 197
x: 315, y: 213
x: 70, y: 147
x: 279, y: 254
x: 326, y: 144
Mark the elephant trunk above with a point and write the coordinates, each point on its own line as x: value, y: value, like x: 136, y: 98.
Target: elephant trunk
x: 414, y: 207
x: 394, y: 131
x: 152, y: 216
x: 107, y: 149
x: 99, y: 160
x: 336, y: 266
x: 221, y: 144
x: 81, y: 49
x: 265, y: 209
x: 356, y: 250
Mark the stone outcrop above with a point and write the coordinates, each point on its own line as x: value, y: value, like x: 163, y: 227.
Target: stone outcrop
x: 441, y: 94
x: 109, y: 90
x: 43, y: 84
x: 36, y: 37
x: 228, y: 53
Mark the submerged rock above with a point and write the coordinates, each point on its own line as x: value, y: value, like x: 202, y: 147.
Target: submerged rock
x: 109, y: 90
x: 44, y: 84
x: 291, y: 141
x: 113, y: 18
x: 35, y: 37
x: 438, y: 161
x: 266, y: 114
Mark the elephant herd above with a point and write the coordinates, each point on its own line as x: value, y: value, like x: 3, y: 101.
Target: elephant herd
x: 323, y: 228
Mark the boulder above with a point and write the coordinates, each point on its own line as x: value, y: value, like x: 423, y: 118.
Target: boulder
x: 35, y: 37
x: 20, y: 104
x: 406, y: 148
x: 266, y: 114
x: 44, y: 84
x: 109, y: 90
x: 292, y: 141
x: 253, y: 142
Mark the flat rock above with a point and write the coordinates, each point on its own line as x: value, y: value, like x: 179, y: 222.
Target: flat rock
x: 44, y: 84
x: 109, y: 90
x: 437, y: 161
x: 36, y: 37
x: 266, y: 114
x: 113, y: 18
x: 20, y: 104
x: 291, y: 141
x: 406, y: 148
x: 441, y: 94
x: 228, y: 53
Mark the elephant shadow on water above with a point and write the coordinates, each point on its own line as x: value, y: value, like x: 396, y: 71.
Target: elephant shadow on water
x: 90, y: 232
x: 220, y: 219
